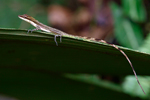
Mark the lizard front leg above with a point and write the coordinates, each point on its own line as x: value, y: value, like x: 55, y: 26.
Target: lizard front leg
x: 37, y: 28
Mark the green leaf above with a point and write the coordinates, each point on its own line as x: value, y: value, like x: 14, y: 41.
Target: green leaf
x: 134, y: 9
x: 32, y: 65
x: 33, y: 84
x: 95, y: 80
x: 38, y: 50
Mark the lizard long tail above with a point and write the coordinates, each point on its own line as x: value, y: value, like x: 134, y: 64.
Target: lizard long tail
x: 127, y: 60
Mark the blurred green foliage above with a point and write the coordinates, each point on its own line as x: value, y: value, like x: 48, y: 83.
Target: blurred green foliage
x: 146, y: 46
x: 135, y: 10
x: 127, y: 32
x: 128, y: 20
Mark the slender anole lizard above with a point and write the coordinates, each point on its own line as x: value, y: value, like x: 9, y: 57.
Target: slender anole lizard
x: 40, y: 26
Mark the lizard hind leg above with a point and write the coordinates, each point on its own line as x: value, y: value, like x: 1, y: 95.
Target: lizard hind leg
x: 60, y: 38
x: 56, y: 40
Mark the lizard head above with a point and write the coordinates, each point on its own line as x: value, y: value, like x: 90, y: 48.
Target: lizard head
x: 28, y: 19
